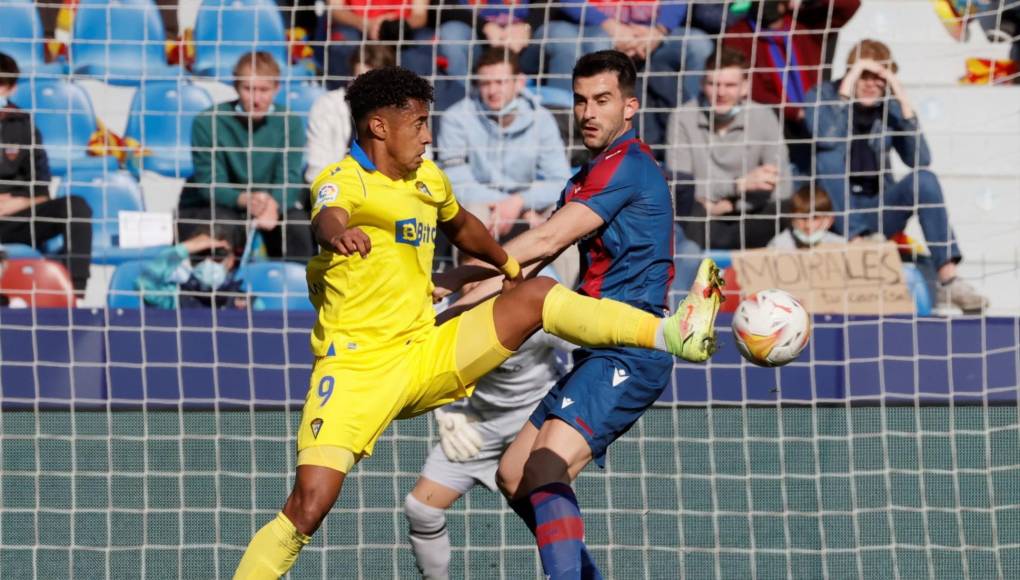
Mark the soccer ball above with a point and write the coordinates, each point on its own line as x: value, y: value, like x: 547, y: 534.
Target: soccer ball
x: 771, y: 328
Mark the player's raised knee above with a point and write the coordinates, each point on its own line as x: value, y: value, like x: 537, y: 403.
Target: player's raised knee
x: 534, y: 290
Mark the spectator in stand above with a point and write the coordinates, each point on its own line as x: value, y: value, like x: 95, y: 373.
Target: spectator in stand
x: 655, y: 33
x: 198, y: 272
x: 727, y: 152
x: 501, y: 149
x: 465, y: 27
x: 329, y: 121
x: 402, y: 24
x: 856, y: 121
x: 810, y: 221
x: 248, y: 156
x: 786, y: 44
x: 27, y: 214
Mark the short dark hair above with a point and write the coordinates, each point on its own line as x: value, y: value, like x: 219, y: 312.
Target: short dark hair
x: 493, y: 55
x: 726, y: 58
x: 802, y: 204
x: 602, y: 61
x: 9, y: 71
x: 392, y: 86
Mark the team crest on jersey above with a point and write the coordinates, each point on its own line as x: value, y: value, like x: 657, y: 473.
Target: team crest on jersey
x: 316, y: 426
x: 423, y: 188
x: 327, y: 193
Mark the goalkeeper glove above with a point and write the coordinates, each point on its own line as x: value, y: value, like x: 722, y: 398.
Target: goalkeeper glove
x: 459, y: 439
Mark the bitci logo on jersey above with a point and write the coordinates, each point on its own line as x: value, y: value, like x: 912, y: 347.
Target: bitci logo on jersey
x: 413, y: 233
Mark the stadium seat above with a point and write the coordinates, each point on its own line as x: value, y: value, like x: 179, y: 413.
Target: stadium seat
x: 107, y: 196
x: 20, y: 252
x: 227, y: 29
x: 40, y: 283
x: 554, y: 97
x: 122, y: 41
x: 123, y: 292
x: 161, y: 116
x: 64, y: 116
x: 269, y: 281
x: 21, y: 37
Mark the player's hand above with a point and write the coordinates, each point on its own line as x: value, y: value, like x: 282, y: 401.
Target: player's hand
x: 352, y: 241
x: 457, y: 436
x: 510, y: 283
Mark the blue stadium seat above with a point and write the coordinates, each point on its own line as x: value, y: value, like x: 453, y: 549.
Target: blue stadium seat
x: 64, y: 116
x: 122, y: 41
x: 227, y: 29
x: 269, y: 281
x: 123, y: 292
x: 20, y: 252
x: 554, y: 97
x: 162, y: 113
x: 299, y: 96
x: 21, y: 38
x: 108, y: 195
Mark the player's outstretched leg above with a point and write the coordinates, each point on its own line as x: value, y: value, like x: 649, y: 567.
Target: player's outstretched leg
x: 274, y: 548
x: 601, y: 322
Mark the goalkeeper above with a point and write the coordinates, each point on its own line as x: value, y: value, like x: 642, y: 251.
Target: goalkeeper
x: 379, y: 356
x: 473, y: 434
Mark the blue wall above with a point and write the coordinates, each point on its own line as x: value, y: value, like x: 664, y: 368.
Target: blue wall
x: 200, y: 358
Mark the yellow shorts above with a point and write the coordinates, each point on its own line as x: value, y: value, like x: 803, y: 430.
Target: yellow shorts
x: 353, y: 397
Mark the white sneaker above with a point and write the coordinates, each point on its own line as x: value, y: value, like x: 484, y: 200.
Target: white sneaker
x: 958, y: 293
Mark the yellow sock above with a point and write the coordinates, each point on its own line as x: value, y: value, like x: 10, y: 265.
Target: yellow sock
x: 272, y: 551
x: 596, y: 322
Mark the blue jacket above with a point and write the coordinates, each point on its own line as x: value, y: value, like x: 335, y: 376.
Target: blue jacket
x: 486, y: 162
x: 827, y: 118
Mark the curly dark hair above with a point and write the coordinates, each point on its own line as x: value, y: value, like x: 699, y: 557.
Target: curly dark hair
x: 392, y: 86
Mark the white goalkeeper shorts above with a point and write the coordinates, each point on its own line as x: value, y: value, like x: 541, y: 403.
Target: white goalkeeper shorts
x: 498, y: 430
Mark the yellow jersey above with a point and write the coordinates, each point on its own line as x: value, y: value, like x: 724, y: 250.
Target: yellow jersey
x: 384, y: 299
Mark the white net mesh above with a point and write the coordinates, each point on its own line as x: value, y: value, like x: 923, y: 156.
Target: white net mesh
x: 154, y: 442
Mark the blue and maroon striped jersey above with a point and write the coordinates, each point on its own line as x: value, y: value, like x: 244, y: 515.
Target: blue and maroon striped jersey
x: 630, y: 258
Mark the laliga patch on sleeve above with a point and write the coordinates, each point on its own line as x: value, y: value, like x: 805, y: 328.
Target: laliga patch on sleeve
x: 326, y: 194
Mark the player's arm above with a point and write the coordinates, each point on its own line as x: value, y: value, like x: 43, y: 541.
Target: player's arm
x: 533, y: 249
x: 467, y: 232
x: 331, y: 232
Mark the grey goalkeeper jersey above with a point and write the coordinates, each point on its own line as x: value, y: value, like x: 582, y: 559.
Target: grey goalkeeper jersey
x: 524, y: 378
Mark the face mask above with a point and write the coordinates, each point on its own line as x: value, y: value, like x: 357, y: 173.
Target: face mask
x: 808, y: 239
x: 508, y: 109
x: 210, y: 274
x: 717, y: 116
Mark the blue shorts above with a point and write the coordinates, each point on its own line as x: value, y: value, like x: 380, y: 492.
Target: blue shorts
x: 606, y: 393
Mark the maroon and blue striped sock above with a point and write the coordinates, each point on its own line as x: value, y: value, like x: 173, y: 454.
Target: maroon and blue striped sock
x: 559, y: 532
x: 522, y: 507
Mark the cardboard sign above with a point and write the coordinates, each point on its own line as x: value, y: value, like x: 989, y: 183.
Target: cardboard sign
x: 859, y: 278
